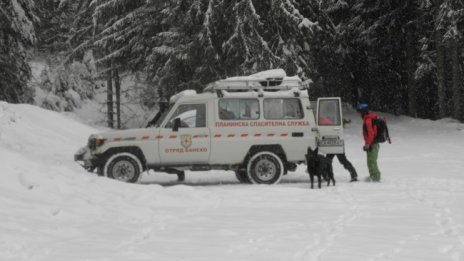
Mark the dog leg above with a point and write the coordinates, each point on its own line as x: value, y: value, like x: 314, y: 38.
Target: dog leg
x: 311, y: 178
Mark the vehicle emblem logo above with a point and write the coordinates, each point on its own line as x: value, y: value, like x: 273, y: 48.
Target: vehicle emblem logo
x: 186, y: 141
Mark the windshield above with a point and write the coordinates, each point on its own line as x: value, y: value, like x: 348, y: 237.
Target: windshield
x: 162, y: 116
x: 159, y: 117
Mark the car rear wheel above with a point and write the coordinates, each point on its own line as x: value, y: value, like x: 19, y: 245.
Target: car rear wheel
x: 123, y: 166
x: 265, y: 168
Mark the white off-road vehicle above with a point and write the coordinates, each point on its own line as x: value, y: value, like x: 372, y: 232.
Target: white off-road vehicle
x: 258, y: 126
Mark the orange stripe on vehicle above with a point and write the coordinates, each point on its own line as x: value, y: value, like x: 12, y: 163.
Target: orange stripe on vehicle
x: 159, y: 137
x: 270, y: 134
x: 217, y: 135
x: 195, y: 136
x: 145, y: 137
x: 244, y: 135
x: 258, y: 134
x: 230, y: 135
x: 172, y: 136
x: 117, y: 139
x: 284, y: 134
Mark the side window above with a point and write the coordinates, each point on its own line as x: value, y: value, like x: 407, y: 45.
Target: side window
x: 191, y: 116
x: 279, y: 109
x: 238, y: 109
x: 329, y: 113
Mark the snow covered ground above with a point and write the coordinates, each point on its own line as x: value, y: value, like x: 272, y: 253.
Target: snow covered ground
x: 51, y: 209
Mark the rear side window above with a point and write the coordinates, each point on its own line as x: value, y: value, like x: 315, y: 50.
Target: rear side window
x: 282, y: 108
x: 238, y: 109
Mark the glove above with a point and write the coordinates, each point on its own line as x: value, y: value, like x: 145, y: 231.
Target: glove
x: 367, y: 147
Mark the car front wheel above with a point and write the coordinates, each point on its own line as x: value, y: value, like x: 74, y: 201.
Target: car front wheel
x: 123, y: 166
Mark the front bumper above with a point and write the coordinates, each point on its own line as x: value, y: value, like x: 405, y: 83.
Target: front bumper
x: 84, y: 157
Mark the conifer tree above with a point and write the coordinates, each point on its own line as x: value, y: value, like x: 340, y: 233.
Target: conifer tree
x: 451, y: 22
x: 188, y: 43
x: 54, y: 27
x: 427, y: 74
x: 229, y: 38
x: 122, y: 37
x: 16, y: 36
x: 384, y: 35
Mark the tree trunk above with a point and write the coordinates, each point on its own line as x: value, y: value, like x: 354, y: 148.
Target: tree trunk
x: 117, y: 84
x: 441, y: 91
x: 456, y: 112
x: 411, y: 68
x: 109, y: 98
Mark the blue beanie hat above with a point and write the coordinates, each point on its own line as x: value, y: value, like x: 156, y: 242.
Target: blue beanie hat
x: 362, y: 107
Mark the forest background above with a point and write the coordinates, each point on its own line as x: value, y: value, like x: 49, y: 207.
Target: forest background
x: 401, y: 56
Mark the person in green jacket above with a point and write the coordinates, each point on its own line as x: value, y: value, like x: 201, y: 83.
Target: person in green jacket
x: 370, y: 146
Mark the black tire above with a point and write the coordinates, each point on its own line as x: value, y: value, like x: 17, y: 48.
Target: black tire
x: 242, y: 176
x: 265, y: 167
x: 181, y: 176
x: 123, y: 166
x: 100, y: 171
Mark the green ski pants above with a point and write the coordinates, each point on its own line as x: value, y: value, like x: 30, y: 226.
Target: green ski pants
x: 372, y: 156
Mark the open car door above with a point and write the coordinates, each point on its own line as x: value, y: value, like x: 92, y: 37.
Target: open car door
x: 330, y: 125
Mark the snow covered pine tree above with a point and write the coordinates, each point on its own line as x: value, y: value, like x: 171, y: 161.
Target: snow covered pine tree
x: 16, y: 36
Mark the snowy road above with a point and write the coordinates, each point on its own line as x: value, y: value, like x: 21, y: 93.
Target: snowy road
x: 50, y: 209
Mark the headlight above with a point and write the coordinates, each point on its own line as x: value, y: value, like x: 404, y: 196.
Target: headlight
x: 99, y: 141
x: 95, y: 142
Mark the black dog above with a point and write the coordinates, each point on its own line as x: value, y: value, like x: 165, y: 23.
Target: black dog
x: 319, y: 166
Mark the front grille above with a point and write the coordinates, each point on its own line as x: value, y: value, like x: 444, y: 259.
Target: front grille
x: 92, y: 144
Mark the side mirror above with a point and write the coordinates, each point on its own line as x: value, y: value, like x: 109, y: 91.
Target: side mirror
x: 176, y: 125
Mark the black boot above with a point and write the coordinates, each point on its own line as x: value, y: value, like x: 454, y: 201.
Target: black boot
x: 354, y: 178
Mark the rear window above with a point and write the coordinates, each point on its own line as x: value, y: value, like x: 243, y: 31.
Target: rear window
x: 238, y: 109
x: 329, y: 112
x: 282, y: 108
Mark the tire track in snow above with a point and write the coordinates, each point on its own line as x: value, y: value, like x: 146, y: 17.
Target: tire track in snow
x: 443, y: 215
x: 333, y: 230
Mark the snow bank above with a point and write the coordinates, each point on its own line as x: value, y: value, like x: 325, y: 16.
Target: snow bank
x: 51, y: 209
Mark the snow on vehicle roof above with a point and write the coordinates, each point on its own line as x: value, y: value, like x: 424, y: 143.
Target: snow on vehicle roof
x: 275, y: 94
x: 286, y: 86
x: 264, y: 75
x: 276, y: 73
x: 177, y: 96
x: 272, y: 79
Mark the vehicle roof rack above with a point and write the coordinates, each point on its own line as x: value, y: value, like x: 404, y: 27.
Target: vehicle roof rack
x: 273, y: 80
x: 256, y: 84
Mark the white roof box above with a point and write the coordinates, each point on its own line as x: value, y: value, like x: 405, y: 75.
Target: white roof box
x: 267, y: 80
